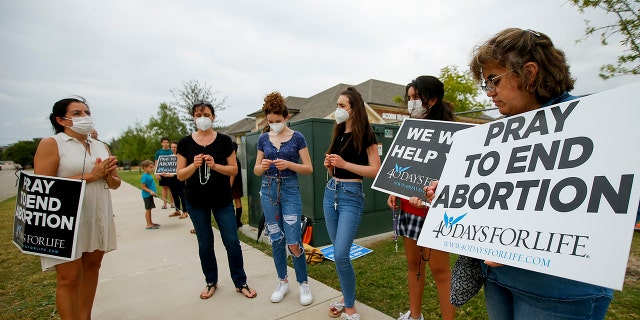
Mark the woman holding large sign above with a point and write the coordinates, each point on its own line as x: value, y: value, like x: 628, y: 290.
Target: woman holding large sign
x: 206, y: 161
x: 521, y: 70
x: 424, y: 100
x: 352, y: 155
x: 71, y: 153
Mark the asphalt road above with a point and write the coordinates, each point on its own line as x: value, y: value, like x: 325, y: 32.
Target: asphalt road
x: 8, y: 187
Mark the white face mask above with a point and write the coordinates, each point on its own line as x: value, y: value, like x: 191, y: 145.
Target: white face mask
x: 412, y: 104
x: 82, y: 125
x: 276, y: 127
x: 341, y: 115
x: 203, y: 123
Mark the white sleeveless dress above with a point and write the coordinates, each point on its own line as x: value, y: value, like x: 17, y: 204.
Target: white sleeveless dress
x: 96, y: 229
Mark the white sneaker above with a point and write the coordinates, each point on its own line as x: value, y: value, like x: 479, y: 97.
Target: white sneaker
x: 407, y: 316
x: 305, y: 294
x: 354, y: 316
x: 281, y: 289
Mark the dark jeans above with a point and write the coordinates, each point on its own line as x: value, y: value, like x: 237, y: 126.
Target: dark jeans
x: 226, y: 220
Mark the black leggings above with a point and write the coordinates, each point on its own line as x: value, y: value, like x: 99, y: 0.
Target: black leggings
x: 177, y: 191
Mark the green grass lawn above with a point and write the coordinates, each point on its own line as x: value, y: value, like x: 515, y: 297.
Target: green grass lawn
x: 28, y: 293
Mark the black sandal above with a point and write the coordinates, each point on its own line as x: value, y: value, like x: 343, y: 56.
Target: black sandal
x: 209, y: 292
x: 251, y: 293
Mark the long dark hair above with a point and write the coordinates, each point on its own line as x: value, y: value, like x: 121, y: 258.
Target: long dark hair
x: 60, y: 110
x: 428, y: 88
x: 360, y: 126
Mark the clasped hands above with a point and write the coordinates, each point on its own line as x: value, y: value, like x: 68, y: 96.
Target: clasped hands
x: 280, y: 164
x: 105, y: 168
x: 334, y: 161
x: 207, y: 159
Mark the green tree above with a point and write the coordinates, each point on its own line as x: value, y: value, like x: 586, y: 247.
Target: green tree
x: 399, y: 100
x: 22, y: 152
x: 166, y: 123
x: 192, y: 91
x: 461, y: 90
x: 627, y: 27
x: 135, y: 144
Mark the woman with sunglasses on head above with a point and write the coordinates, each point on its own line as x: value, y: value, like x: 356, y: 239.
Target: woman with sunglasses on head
x: 521, y: 70
x: 352, y: 155
x: 206, y: 161
x: 72, y: 153
x: 282, y: 155
x: 424, y: 100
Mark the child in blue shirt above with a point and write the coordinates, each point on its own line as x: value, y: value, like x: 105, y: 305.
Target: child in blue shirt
x: 148, y: 192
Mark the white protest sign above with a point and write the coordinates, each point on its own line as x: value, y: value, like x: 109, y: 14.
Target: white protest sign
x: 553, y: 190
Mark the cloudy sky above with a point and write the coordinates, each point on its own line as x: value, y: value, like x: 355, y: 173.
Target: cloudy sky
x: 126, y: 56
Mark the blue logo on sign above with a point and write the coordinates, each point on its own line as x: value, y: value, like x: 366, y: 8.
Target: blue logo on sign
x: 401, y: 169
x: 450, y: 221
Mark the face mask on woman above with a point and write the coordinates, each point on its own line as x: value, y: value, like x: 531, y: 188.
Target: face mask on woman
x: 203, y: 123
x: 415, y: 108
x: 276, y: 127
x: 82, y: 125
x: 341, y: 115
x: 413, y: 104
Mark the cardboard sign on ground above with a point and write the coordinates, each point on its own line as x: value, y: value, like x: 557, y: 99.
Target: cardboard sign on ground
x: 357, y: 251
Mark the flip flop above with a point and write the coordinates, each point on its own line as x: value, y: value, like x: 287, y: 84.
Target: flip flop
x: 336, y: 308
x: 208, y: 291
x: 184, y: 215
x: 152, y: 227
x: 247, y: 292
x: 174, y: 214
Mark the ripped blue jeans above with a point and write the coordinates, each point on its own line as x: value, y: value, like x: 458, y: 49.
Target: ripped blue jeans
x: 282, y: 207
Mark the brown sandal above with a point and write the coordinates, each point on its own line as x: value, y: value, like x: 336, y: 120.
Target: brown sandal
x: 247, y: 292
x: 209, y: 290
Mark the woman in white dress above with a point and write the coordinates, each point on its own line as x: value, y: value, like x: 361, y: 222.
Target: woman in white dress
x: 72, y: 153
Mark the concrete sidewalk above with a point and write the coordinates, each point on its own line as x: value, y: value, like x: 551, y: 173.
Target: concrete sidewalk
x: 155, y: 274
